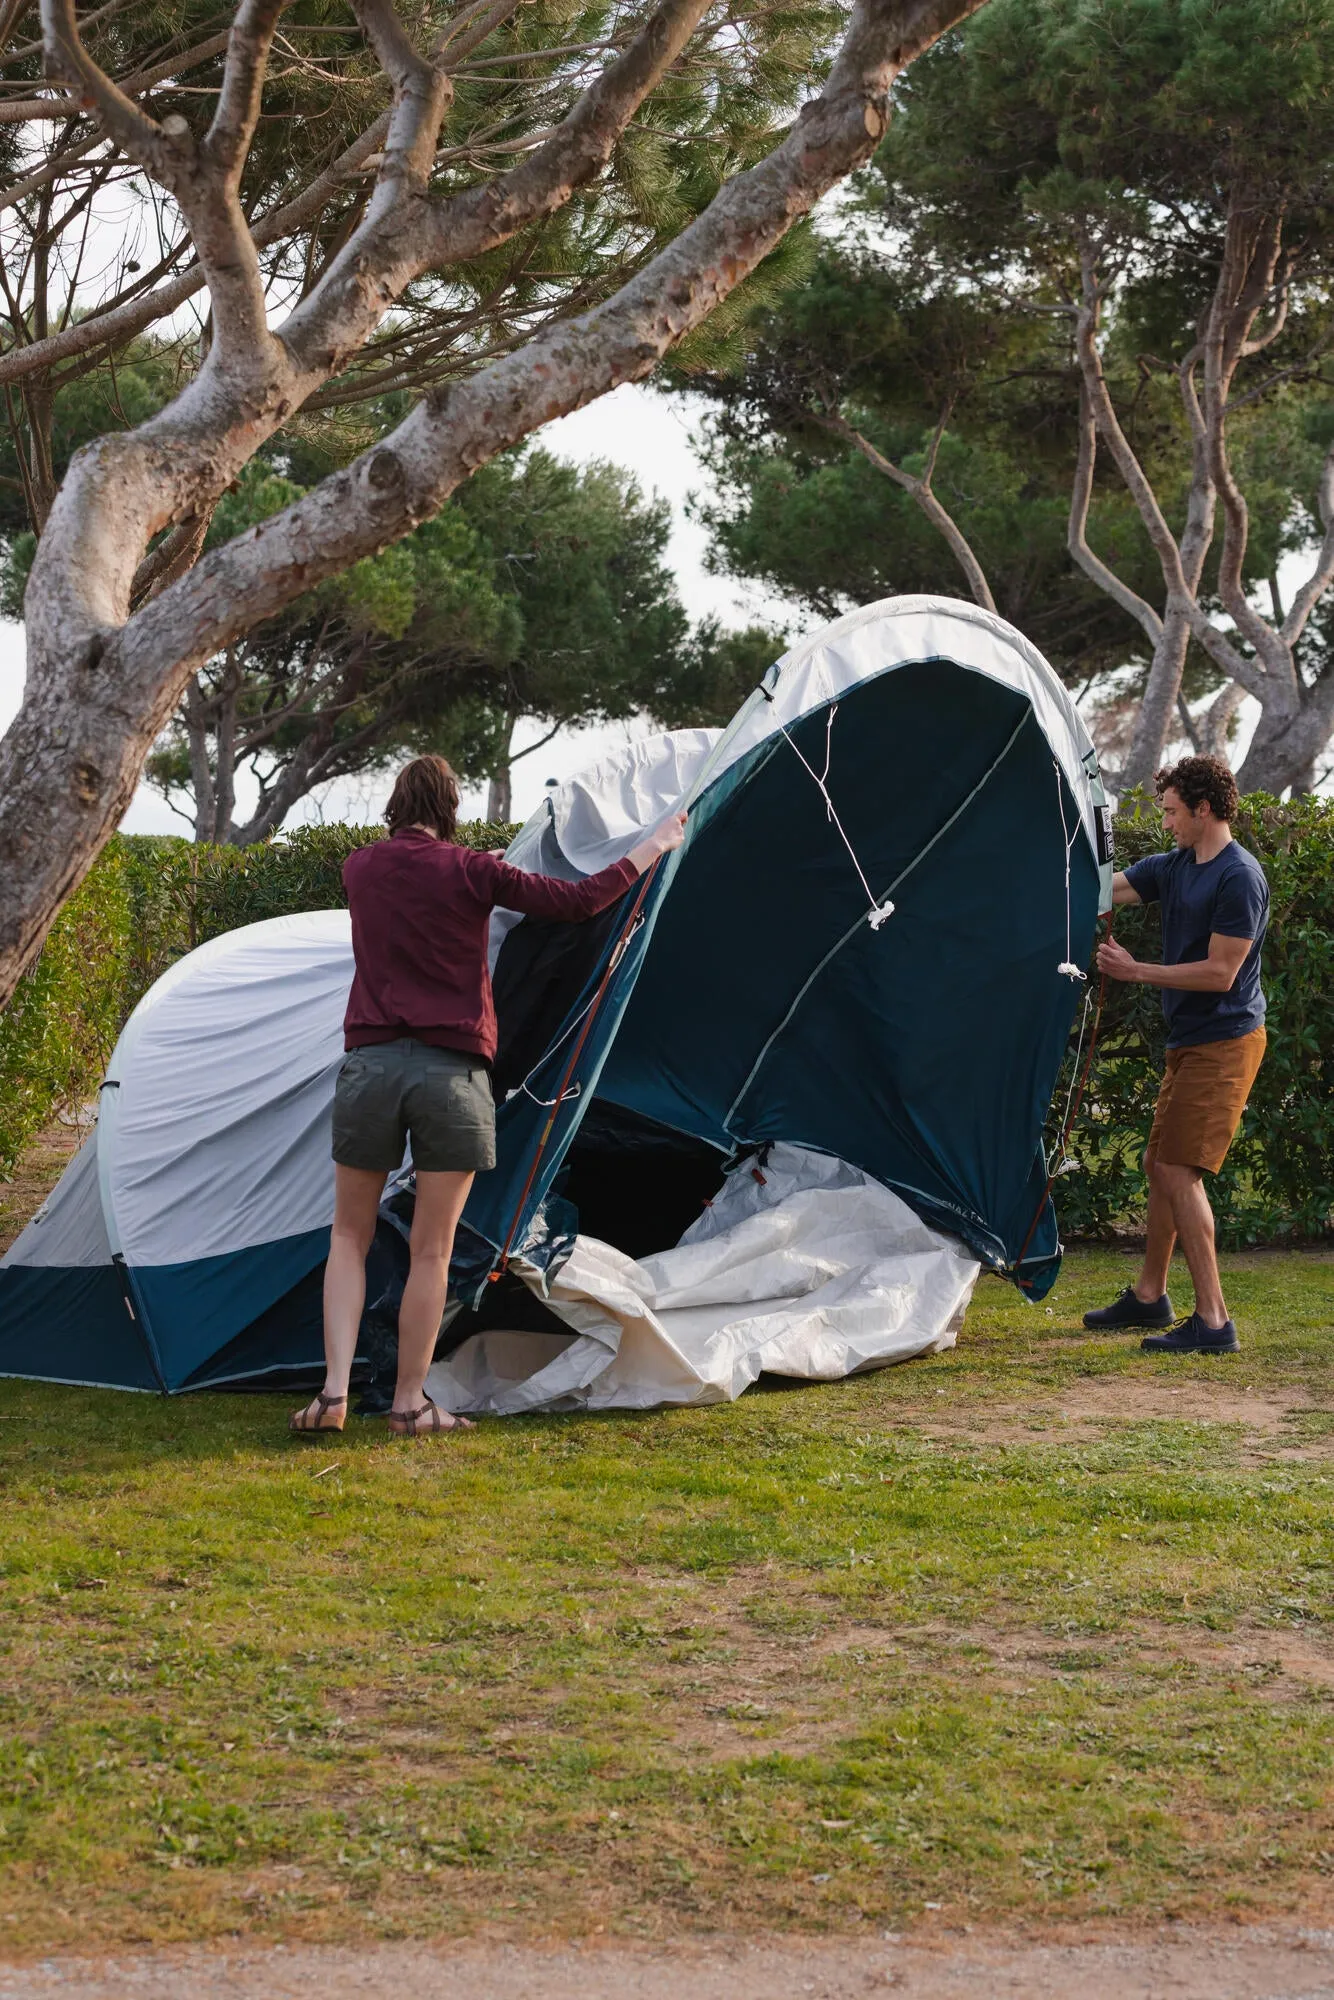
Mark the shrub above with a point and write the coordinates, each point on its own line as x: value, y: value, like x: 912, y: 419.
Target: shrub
x: 62, y: 1023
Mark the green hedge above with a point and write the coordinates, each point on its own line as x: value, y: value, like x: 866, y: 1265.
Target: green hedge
x: 1277, y: 1183
x: 148, y: 900
x: 62, y: 1023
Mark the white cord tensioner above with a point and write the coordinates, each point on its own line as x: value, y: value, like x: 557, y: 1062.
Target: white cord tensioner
x: 879, y: 913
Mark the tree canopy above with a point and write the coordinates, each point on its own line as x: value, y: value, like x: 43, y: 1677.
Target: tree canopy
x: 1085, y: 286
x: 541, y: 591
x: 96, y: 256
x: 870, y: 353
x: 425, y: 203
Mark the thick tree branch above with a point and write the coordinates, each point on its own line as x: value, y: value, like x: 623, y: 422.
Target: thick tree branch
x: 1109, y: 427
x: 1250, y: 256
x: 422, y: 92
x: 177, y: 552
x: 67, y: 61
x: 1318, y: 582
x: 236, y: 113
x: 116, y: 324
x: 1094, y: 568
x: 920, y: 491
x: 579, y: 148
x: 1211, y: 728
x: 205, y: 188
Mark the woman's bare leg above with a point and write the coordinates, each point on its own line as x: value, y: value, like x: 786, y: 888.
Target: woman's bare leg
x: 356, y: 1204
x: 440, y: 1199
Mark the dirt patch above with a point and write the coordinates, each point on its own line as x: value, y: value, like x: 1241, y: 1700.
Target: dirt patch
x: 1273, y: 1660
x: 1188, y: 1962
x: 748, y: 1690
x: 1096, y: 1407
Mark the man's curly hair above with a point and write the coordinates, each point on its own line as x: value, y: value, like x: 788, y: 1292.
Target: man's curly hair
x: 1195, y: 779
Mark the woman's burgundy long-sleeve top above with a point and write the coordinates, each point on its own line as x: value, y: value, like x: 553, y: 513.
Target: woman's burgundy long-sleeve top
x: 420, y: 910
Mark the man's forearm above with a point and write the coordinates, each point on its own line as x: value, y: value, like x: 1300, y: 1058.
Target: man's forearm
x: 1199, y: 976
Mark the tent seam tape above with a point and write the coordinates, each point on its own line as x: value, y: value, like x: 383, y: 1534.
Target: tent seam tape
x: 848, y: 935
x: 74, y: 1382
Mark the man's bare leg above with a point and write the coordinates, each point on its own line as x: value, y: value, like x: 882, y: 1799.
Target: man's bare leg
x: 1184, y: 1188
x: 1159, y: 1240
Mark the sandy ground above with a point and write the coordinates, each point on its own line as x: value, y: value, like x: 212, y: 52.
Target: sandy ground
x: 1179, y: 1963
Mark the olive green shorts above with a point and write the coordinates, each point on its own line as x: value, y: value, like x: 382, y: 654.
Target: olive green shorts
x: 391, y: 1090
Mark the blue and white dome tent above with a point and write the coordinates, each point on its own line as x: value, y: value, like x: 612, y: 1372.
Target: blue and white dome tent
x: 774, y: 1110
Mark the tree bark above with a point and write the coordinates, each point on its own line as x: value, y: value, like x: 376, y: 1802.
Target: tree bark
x: 1286, y: 746
x: 103, y: 680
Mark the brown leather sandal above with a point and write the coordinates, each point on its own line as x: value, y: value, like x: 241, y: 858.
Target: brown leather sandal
x: 408, y: 1423
x: 299, y: 1423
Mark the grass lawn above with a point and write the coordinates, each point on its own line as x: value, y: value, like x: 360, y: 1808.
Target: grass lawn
x: 1040, y: 1627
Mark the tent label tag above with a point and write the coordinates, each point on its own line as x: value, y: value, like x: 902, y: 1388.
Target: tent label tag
x: 1103, y: 815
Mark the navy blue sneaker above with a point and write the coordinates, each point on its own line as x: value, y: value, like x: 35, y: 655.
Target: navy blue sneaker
x: 1130, y: 1311
x: 1194, y: 1336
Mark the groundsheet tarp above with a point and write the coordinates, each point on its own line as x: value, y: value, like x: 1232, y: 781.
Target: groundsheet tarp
x: 802, y: 1266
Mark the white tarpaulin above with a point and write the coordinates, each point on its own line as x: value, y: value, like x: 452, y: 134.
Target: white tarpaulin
x: 817, y: 1271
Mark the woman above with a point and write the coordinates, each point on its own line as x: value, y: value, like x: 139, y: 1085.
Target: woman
x: 420, y: 1034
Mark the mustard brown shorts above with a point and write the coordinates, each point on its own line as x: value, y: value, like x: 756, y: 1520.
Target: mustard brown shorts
x: 1203, y: 1095
x: 392, y: 1090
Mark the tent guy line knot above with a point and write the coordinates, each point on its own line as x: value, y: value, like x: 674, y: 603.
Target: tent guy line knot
x: 879, y: 912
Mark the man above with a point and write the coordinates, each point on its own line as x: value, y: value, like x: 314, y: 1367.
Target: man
x: 1215, y: 906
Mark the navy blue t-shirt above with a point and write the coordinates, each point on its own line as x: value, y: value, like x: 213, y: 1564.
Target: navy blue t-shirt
x: 1229, y: 895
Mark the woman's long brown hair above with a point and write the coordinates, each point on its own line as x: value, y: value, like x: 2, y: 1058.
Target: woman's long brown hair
x: 426, y: 793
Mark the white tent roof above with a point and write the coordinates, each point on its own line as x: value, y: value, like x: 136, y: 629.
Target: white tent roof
x: 214, y: 1133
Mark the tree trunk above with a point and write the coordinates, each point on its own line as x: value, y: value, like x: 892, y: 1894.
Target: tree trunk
x: 196, y: 712
x: 1286, y: 747
x: 500, y: 798
x: 1158, y: 706
x: 225, y: 737
x: 500, y: 791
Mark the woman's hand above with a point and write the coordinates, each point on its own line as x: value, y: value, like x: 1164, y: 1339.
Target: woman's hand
x: 664, y: 837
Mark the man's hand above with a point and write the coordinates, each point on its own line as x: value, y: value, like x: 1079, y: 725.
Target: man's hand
x: 1115, y: 961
